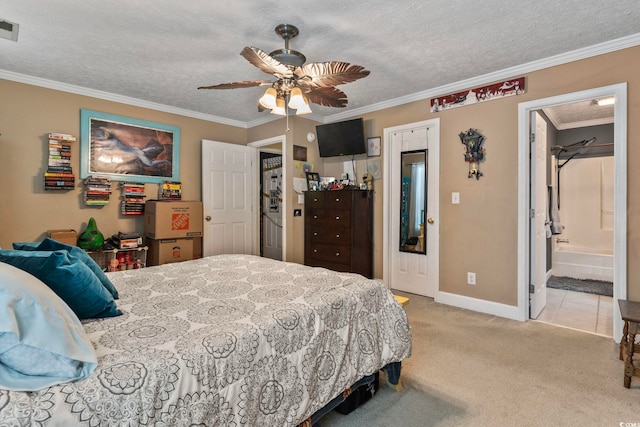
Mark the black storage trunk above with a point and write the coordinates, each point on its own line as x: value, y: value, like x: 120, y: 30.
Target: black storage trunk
x: 359, y: 396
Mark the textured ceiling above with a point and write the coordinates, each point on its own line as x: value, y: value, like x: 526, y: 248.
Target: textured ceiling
x: 160, y: 51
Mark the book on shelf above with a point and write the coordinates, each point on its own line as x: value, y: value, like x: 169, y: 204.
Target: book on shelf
x: 61, y: 136
x: 59, y: 175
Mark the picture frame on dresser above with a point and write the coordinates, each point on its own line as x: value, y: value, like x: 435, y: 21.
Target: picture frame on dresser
x: 313, y: 181
x: 128, y: 149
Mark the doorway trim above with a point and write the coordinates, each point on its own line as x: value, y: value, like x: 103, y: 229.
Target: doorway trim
x: 619, y: 91
x: 282, y: 139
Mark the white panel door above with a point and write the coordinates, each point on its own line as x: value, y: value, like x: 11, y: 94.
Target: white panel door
x: 412, y: 272
x: 539, y: 209
x: 228, y: 191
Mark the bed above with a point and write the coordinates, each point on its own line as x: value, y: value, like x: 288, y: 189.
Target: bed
x: 228, y: 340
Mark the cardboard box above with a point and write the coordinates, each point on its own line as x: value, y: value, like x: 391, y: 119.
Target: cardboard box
x: 69, y: 237
x: 170, y: 220
x: 165, y: 251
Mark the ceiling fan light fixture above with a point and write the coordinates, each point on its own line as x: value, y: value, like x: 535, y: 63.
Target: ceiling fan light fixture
x: 296, y: 100
x: 268, y: 100
x: 280, y: 108
x: 304, y: 108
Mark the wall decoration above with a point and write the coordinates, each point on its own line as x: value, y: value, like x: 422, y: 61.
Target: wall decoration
x: 474, y: 153
x: 127, y: 149
x: 373, y: 146
x: 303, y: 168
x: 299, y: 153
x: 373, y: 167
x: 479, y: 94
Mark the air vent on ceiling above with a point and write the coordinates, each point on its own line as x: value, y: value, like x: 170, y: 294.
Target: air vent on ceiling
x: 8, y: 30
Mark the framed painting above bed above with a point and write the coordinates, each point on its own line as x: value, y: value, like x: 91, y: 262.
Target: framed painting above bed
x: 127, y: 149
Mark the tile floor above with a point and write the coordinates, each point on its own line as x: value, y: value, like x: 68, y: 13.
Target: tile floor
x: 578, y: 310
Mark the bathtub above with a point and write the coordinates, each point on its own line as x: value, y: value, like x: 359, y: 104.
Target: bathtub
x: 582, y: 263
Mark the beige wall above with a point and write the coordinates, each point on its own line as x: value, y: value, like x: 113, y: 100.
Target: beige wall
x: 478, y: 235
x: 28, y: 114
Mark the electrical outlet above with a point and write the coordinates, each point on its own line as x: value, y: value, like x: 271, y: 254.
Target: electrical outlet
x: 455, y: 198
x: 471, y: 278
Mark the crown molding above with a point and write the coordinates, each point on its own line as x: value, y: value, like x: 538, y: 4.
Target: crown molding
x: 107, y: 96
x: 583, y: 53
x: 552, y: 61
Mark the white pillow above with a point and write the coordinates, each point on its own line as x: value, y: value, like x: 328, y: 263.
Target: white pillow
x: 42, y: 342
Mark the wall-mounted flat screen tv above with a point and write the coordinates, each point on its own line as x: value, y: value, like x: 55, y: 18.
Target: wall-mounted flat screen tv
x: 344, y: 138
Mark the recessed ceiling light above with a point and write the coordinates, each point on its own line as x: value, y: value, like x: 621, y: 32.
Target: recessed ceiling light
x: 606, y: 101
x: 8, y: 30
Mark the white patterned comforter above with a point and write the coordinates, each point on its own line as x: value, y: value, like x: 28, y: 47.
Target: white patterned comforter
x: 229, y: 340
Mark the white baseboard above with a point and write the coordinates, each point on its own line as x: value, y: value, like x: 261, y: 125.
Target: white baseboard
x: 489, y: 307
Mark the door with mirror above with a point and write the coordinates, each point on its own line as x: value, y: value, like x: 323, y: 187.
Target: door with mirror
x: 413, y: 229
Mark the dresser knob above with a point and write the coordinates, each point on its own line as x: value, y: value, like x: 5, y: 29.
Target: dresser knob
x: 337, y: 199
x: 337, y: 236
x: 337, y: 253
x: 315, y: 233
x: 315, y: 251
x: 338, y: 218
x: 315, y: 217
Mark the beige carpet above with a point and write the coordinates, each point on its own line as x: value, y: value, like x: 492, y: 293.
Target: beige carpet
x: 472, y: 369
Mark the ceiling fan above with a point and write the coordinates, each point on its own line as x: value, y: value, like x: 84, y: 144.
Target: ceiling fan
x: 296, y: 83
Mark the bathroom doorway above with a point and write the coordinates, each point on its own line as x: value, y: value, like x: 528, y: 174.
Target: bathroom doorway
x: 579, y: 187
x: 533, y: 290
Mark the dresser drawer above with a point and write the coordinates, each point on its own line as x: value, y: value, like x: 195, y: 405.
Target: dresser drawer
x: 338, y: 200
x: 331, y: 253
x: 315, y: 200
x: 329, y: 218
x: 328, y: 199
x: 330, y: 235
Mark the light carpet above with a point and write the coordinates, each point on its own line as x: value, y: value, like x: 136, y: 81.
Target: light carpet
x: 473, y: 369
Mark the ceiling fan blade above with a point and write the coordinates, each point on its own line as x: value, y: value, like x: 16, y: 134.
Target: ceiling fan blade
x: 265, y: 62
x: 239, y: 85
x: 333, y: 73
x: 327, y: 96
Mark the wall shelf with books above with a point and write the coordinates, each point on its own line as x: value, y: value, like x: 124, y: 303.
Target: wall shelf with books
x: 170, y: 191
x: 97, y: 191
x: 59, y: 174
x: 132, y: 198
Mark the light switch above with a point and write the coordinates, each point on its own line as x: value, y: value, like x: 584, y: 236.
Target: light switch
x: 455, y: 198
x: 301, y: 199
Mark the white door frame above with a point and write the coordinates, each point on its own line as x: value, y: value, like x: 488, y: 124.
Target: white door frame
x: 619, y: 91
x: 285, y: 179
x: 434, y: 155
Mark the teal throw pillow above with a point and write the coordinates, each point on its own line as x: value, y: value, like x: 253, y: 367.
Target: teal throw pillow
x: 69, y: 278
x: 49, y: 244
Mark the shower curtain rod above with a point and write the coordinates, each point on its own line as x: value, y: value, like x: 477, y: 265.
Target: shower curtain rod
x: 579, y: 147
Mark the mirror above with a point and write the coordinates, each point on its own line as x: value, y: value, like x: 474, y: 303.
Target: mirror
x: 413, y: 201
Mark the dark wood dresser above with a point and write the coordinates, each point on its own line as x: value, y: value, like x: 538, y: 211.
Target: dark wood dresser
x: 338, y: 228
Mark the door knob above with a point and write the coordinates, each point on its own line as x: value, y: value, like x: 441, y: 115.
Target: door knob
x: 431, y: 220
x: 208, y: 218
